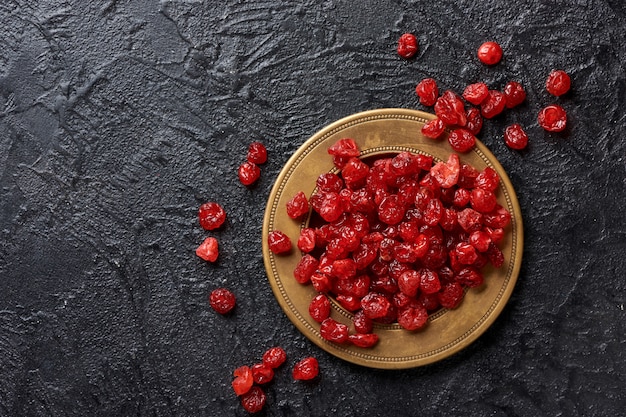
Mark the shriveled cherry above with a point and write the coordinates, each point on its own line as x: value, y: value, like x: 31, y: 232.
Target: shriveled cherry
x: 552, y: 118
x: 461, y: 140
x: 249, y: 173
x: 493, y: 105
x: 319, y: 308
x: 278, y: 242
x: 433, y: 129
x: 364, y: 340
x: 243, y: 380
x: 558, y: 83
x: 476, y: 93
x: 489, y: 53
x: 474, y: 121
x: 222, y: 300
x: 306, y: 369
x: 257, y: 153
x: 407, y: 45
x: 254, y: 400
x: 427, y: 91
x: 208, y: 249
x: 514, y: 94
x: 274, y: 357
x: 211, y: 215
x: 515, y: 137
x: 334, y: 331
x: 298, y: 205
x: 413, y: 318
x: 262, y: 373
x: 450, y: 109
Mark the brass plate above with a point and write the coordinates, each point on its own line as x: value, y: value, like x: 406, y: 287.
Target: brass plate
x: 448, y: 331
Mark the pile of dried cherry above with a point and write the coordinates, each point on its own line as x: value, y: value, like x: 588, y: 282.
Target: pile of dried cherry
x: 394, y: 239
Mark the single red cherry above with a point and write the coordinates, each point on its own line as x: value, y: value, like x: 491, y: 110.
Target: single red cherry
x: 274, y: 357
x: 243, y: 380
x: 222, y: 300
x: 433, y: 129
x: 552, y: 118
x: 279, y: 243
x: 490, y: 53
x: 254, y: 400
x: 407, y: 45
x: 461, y: 140
x: 298, y: 205
x: 208, y: 249
x: 427, y: 91
x: 514, y: 94
x: 558, y: 83
x: 476, y: 93
x: 257, y: 153
x: 248, y: 173
x: 211, y: 215
x: 306, y: 369
x: 515, y: 137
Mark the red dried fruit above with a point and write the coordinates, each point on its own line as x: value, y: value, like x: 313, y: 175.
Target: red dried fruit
x: 306, y: 240
x: 333, y: 331
x: 429, y: 281
x: 254, y: 400
x: 298, y: 205
x: 493, y: 105
x: 451, y: 295
x: 558, y: 83
x: 433, y: 129
x: 515, y: 137
x: 257, y: 153
x: 248, y: 173
x: 461, y: 140
x: 488, y: 179
x: 409, y: 282
x: 344, y: 148
x: 363, y: 340
x: 304, y: 270
x: 279, y: 243
x: 208, y: 249
x: 390, y: 211
x: 476, y: 93
x: 514, y: 94
x: 447, y: 173
x: 427, y: 91
x: 306, y: 369
x: 489, y: 53
x: 474, y: 121
x: 222, y: 300
x: 480, y: 240
x: 413, y: 318
x: 274, y: 357
x: 469, y: 277
x: 354, y: 173
x: 407, y: 45
x: 329, y: 182
x: 243, y: 380
x: 483, y: 201
x: 375, y: 305
x: 552, y: 118
x: 319, y: 308
x: 450, y: 109
x: 262, y: 373
x: 362, y: 323
x: 211, y: 216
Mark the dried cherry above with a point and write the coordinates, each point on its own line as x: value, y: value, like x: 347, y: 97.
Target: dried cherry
x: 211, y: 215
x: 490, y: 53
x: 407, y: 45
x: 427, y: 91
x: 208, y: 249
x: 306, y: 369
x: 553, y: 118
x: 222, y: 300
x: 558, y: 83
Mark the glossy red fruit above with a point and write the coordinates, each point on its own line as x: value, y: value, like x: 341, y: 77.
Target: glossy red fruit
x: 363, y: 340
x: 306, y: 369
x: 407, y: 45
x: 274, y: 357
x: 262, y: 373
x: 514, y: 94
x: 553, y: 118
x: 375, y: 305
x: 558, y: 83
x: 211, y: 215
x: 474, y: 121
x: 222, y: 300
x: 515, y: 137
x: 413, y: 318
x: 344, y: 148
x: 461, y: 140
x: 334, y: 331
x: 243, y: 380
x: 450, y: 109
x: 279, y: 243
x: 427, y: 91
x: 208, y: 249
x: 306, y: 267
x: 489, y: 53
x: 298, y: 205
x: 447, y: 173
x: 483, y: 201
x: 493, y: 105
x: 257, y: 153
x: 433, y: 129
x: 451, y: 295
x: 476, y: 93
x: 248, y: 173
x: 319, y: 308
x: 254, y: 400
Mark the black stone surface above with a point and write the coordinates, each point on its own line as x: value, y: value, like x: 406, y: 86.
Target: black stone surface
x: 119, y: 118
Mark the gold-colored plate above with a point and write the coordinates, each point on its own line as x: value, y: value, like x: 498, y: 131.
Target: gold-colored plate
x: 387, y: 131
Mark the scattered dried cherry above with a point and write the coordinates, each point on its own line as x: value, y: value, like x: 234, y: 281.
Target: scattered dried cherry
x: 257, y: 153
x: 553, y: 118
x: 515, y: 137
x: 364, y: 340
x: 558, y: 83
x: 476, y: 93
x: 474, y: 121
x: 490, y: 53
x: 208, y: 249
x: 211, y: 215
x: 306, y: 369
x: 450, y: 109
x: 243, y: 380
x: 222, y: 300
x: 514, y: 94
x: 319, y: 308
x: 461, y: 140
x: 254, y: 400
x: 433, y: 129
x: 262, y: 373
x: 248, y: 173
x: 334, y: 331
x: 274, y: 357
x: 427, y: 91
x: 407, y: 45
x: 493, y: 105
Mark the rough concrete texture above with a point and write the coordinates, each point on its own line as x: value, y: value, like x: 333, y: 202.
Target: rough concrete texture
x: 119, y: 118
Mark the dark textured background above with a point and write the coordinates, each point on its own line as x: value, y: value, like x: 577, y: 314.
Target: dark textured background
x: 119, y: 118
